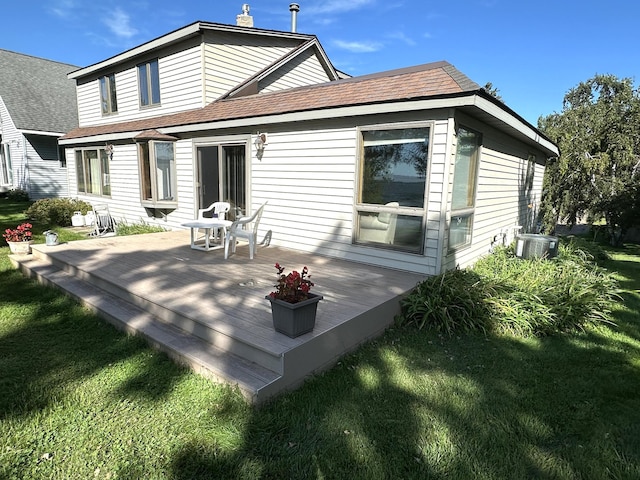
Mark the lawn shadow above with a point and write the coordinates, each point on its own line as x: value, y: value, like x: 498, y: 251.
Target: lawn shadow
x: 54, y: 343
x: 474, y: 407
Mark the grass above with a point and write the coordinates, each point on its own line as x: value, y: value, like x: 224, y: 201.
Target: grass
x: 80, y: 400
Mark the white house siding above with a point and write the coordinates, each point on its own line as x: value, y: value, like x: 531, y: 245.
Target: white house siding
x: 12, y: 137
x: 231, y: 59
x: 124, y: 202
x: 47, y: 177
x: 306, y: 69
x: 309, y: 178
x: 181, y: 89
x: 501, y: 202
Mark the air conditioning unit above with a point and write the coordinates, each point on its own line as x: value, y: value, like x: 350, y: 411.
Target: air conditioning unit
x: 531, y: 245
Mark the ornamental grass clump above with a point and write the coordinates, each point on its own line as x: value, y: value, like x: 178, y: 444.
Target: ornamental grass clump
x: 293, y: 287
x: 506, y: 294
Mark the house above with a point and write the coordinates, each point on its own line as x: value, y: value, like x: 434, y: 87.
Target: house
x: 417, y: 169
x: 37, y: 106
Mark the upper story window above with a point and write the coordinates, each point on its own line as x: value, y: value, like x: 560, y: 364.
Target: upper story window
x: 392, y: 192
x: 108, y: 94
x: 157, y: 173
x: 92, y: 171
x: 149, y: 83
x: 463, y: 195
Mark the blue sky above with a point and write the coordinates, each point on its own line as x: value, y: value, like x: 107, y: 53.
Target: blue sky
x: 532, y: 51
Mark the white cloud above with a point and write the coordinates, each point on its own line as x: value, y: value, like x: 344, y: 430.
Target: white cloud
x: 403, y: 38
x: 337, y: 6
x: 119, y: 22
x: 358, y: 47
x: 64, y: 8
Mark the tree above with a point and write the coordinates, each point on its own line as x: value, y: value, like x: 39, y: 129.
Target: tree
x: 493, y: 91
x: 597, y: 174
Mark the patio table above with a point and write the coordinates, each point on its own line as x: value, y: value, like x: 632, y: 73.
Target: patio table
x: 207, y: 225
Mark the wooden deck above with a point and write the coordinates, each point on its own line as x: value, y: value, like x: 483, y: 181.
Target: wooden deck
x: 211, y: 314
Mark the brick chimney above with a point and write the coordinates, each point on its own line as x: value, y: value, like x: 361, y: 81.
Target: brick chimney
x: 244, y: 19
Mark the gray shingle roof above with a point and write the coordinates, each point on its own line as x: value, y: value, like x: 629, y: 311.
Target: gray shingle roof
x: 37, y: 92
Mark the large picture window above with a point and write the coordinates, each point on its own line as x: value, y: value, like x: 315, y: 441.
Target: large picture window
x: 157, y: 174
x: 92, y: 172
x: 149, y: 83
x: 464, y: 188
x: 108, y: 98
x: 393, y: 178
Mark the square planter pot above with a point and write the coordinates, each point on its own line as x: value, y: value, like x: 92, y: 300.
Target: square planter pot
x: 294, y: 319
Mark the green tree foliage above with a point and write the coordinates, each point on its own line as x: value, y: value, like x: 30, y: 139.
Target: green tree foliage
x: 598, y: 172
x: 493, y: 91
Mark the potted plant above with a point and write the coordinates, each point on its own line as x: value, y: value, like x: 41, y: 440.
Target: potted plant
x: 19, y: 239
x: 293, y: 307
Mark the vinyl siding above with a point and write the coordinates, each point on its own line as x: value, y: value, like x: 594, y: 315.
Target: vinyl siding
x: 47, y: 178
x: 502, y: 201
x: 309, y: 178
x: 231, y: 59
x: 180, y: 76
x: 306, y: 69
x: 124, y: 202
x: 15, y: 140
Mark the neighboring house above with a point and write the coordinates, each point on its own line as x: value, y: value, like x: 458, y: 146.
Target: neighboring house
x: 416, y: 169
x: 37, y: 106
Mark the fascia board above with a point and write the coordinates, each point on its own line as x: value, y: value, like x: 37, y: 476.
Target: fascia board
x: 522, y: 127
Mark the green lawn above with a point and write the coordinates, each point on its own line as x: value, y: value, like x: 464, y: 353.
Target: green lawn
x: 80, y: 400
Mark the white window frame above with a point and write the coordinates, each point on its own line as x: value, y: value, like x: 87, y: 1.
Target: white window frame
x: 108, y: 95
x: 151, y: 176
x: 150, y: 80
x: 103, y: 186
x: 418, y: 213
x: 465, y: 214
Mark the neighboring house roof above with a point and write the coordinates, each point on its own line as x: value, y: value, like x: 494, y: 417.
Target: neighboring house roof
x: 433, y: 81
x: 37, y: 93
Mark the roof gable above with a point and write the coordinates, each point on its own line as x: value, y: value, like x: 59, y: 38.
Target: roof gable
x: 37, y: 93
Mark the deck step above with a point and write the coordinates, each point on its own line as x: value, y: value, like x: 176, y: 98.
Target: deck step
x: 228, y: 340
x: 192, y: 351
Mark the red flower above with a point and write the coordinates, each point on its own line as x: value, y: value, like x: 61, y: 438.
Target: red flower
x: 22, y: 233
x: 294, y: 287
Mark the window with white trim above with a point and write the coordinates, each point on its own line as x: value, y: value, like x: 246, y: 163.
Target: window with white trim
x: 390, y: 208
x: 108, y: 98
x: 6, y: 171
x: 463, y: 195
x: 149, y: 83
x: 92, y: 171
x: 157, y: 174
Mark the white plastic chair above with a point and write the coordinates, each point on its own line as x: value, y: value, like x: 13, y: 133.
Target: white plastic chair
x: 215, y: 210
x: 245, y: 228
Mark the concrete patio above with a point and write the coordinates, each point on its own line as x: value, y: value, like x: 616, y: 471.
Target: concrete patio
x: 210, y: 313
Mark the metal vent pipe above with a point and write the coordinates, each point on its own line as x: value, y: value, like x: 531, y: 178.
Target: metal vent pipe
x: 294, y: 8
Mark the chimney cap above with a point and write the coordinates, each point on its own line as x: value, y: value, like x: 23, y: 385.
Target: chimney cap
x: 294, y: 7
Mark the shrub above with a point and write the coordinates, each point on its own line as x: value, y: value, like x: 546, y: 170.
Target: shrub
x: 505, y: 294
x: 56, y: 211
x: 18, y: 195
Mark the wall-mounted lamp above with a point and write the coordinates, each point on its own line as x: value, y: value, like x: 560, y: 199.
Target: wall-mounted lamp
x: 260, y: 142
x: 109, y: 149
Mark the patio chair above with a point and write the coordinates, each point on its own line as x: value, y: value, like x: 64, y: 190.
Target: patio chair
x: 215, y: 210
x: 245, y: 228
x: 103, y: 222
x: 380, y: 228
